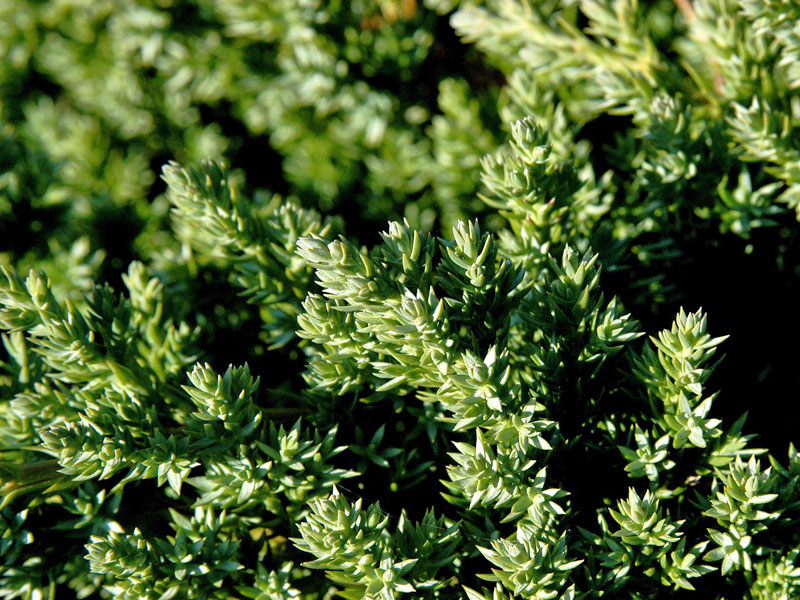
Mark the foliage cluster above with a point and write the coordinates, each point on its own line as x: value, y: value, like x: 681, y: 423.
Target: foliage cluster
x: 224, y: 376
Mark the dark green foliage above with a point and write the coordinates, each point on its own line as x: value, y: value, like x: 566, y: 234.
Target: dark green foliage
x: 224, y: 376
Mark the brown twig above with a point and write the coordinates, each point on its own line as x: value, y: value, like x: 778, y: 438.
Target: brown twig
x: 687, y: 10
x: 685, y: 6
